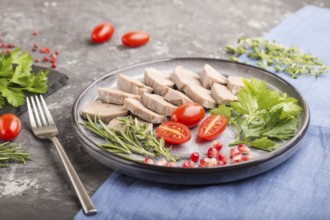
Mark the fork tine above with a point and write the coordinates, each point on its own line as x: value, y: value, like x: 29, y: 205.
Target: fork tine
x: 42, y: 114
x: 32, y: 121
x: 35, y: 110
x: 49, y: 116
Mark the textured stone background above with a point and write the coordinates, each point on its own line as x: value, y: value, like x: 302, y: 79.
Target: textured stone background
x: 41, y: 189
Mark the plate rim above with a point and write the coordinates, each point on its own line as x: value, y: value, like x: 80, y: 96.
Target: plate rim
x: 268, y: 156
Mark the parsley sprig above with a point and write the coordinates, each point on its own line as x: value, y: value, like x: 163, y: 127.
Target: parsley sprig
x: 277, y: 57
x: 262, y: 116
x: 136, y: 138
x: 16, y: 77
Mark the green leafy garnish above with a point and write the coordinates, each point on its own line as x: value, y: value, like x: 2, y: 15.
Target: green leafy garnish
x: 277, y: 57
x: 136, y: 138
x: 262, y: 116
x: 10, y: 152
x: 16, y: 78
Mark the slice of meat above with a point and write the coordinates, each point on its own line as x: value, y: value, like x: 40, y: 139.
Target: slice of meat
x: 158, y: 104
x: 209, y: 76
x: 115, y: 96
x: 235, y: 83
x: 222, y: 95
x: 176, y: 97
x: 130, y: 85
x: 182, y: 77
x: 117, y: 126
x: 200, y: 95
x: 138, y: 109
x: 157, y: 80
x: 104, y: 110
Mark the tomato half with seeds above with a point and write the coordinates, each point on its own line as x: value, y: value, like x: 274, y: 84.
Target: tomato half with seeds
x: 10, y: 127
x: 189, y: 114
x: 212, y: 127
x: 135, y: 38
x: 102, y: 32
x: 173, y: 132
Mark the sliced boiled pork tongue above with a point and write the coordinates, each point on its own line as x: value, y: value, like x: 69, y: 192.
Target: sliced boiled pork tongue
x: 130, y: 85
x: 115, y: 96
x: 157, y: 80
x: 105, y: 111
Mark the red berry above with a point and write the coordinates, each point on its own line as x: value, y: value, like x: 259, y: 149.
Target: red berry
x: 247, y: 157
x: 53, y: 60
x: 8, y: 51
x: 212, y: 152
x: 45, y: 59
x: 236, y: 159
x: 45, y: 50
x: 161, y: 162
x: 217, y: 145
x: 194, y: 157
x: 222, y: 157
x: 222, y: 163
x: 243, y: 149
x: 3, y: 45
x: 148, y: 160
x: 189, y: 164
x: 204, y: 162
x: 171, y: 164
x: 234, y: 152
x: 208, y: 162
x: 35, y: 33
x: 54, y: 65
x: 37, y: 60
x: 57, y: 51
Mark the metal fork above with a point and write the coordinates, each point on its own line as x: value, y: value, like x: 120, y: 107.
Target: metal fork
x: 43, y: 127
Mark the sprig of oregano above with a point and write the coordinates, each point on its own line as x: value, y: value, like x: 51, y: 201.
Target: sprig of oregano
x: 136, y: 138
x: 277, y: 57
x: 11, y: 152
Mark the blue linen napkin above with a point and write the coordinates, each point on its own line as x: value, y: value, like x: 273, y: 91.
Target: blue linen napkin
x: 297, y: 189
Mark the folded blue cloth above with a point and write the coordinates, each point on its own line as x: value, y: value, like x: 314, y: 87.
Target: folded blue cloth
x: 297, y: 189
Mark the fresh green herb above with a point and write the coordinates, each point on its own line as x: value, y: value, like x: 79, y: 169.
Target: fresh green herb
x: 271, y: 55
x: 261, y: 116
x: 10, y: 152
x: 16, y: 78
x: 136, y: 138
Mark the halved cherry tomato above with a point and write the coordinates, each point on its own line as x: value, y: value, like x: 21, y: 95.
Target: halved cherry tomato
x: 10, y: 126
x: 102, y: 32
x: 135, y: 38
x: 173, y: 132
x: 212, y: 127
x: 189, y: 114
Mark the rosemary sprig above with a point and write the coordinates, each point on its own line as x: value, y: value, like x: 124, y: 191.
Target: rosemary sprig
x: 11, y: 152
x: 271, y: 55
x: 136, y: 138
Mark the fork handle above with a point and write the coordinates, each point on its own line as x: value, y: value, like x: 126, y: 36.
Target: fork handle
x: 86, y: 202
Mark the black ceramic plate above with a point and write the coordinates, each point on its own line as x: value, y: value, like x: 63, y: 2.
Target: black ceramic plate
x: 262, y: 161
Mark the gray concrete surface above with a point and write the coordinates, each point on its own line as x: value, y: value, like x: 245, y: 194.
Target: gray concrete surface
x: 41, y: 190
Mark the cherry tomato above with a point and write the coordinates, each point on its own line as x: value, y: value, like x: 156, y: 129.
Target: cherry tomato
x: 102, y: 32
x: 173, y: 132
x: 189, y: 114
x: 212, y: 127
x: 135, y: 38
x: 10, y: 126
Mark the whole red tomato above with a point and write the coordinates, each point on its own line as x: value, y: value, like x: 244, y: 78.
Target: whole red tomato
x: 189, y: 114
x: 135, y: 38
x: 102, y: 32
x: 10, y: 127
